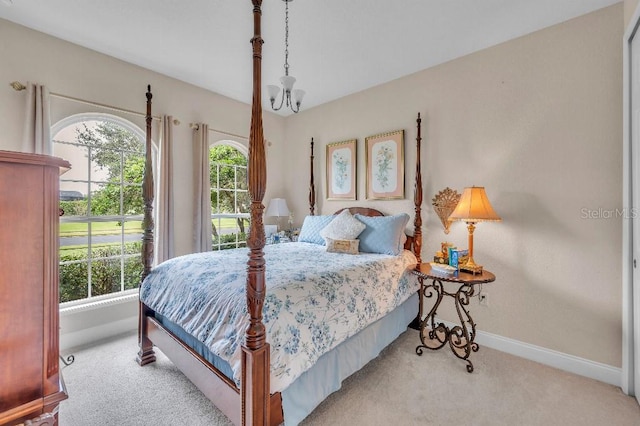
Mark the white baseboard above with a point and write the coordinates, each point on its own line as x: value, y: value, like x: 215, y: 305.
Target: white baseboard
x: 573, y: 364
x: 94, y: 334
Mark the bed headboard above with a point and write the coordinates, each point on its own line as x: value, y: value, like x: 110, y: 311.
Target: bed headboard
x: 364, y: 211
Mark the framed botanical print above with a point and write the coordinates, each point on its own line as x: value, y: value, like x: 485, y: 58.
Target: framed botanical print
x: 341, y: 170
x: 385, y: 166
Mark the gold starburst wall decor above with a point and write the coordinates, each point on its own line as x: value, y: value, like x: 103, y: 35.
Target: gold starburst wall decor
x: 444, y: 203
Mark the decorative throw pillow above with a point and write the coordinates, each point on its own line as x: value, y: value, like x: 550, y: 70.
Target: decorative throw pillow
x: 343, y: 227
x: 311, y: 227
x: 342, y: 246
x: 383, y: 233
x: 403, y: 240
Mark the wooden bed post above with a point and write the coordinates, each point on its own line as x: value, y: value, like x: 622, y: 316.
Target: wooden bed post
x: 312, y: 187
x: 417, y: 199
x: 145, y: 354
x: 254, y: 387
x: 147, y: 195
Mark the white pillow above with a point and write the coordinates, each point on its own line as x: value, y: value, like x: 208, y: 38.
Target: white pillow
x: 344, y: 227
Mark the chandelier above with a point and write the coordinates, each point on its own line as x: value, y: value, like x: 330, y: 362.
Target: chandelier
x: 286, y: 80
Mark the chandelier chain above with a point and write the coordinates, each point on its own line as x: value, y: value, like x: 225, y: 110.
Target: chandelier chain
x: 291, y: 98
x: 286, y: 37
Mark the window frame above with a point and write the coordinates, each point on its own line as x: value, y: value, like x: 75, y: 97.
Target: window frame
x: 242, y: 148
x: 89, y: 218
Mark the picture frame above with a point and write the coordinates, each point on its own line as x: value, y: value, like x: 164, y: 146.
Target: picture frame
x: 341, y: 172
x: 385, y: 166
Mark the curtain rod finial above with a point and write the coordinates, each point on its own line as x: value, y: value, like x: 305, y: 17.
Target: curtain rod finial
x: 17, y: 86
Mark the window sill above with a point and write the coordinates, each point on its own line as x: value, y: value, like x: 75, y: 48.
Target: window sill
x: 70, y: 308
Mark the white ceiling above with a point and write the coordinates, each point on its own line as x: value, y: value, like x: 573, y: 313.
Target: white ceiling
x: 336, y: 47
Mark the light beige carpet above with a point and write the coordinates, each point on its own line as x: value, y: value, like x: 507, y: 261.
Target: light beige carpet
x: 107, y: 387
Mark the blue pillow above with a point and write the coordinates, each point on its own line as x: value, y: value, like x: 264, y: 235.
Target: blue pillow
x: 383, y: 234
x: 311, y: 227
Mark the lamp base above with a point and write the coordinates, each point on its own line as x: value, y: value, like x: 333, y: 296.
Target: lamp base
x: 471, y: 267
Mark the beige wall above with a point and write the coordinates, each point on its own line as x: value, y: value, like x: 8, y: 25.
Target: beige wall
x: 537, y: 121
x: 629, y: 9
x: 71, y: 70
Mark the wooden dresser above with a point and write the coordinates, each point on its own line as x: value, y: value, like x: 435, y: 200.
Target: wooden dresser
x: 30, y: 380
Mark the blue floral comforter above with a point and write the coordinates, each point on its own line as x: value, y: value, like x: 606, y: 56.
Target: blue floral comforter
x: 315, y: 300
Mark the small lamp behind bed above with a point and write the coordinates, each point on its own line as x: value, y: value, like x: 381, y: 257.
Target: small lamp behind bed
x: 278, y: 208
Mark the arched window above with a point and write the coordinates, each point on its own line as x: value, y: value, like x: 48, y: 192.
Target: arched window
x: 101, y: 201
x: 230, y: 200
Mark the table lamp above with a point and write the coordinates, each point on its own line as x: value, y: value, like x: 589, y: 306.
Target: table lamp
x: 473, y: 207
x: 278, y: 208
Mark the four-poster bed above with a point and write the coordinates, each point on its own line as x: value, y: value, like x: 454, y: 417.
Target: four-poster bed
x: 236, y: 372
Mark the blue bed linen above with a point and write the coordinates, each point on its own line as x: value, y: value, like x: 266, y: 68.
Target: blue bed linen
x: 313, y: 386
x: 315, y: 300
x: 196, y: 345
x: 326, y: 376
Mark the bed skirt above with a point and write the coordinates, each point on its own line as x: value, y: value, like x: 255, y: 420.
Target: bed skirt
x: 303, y: 395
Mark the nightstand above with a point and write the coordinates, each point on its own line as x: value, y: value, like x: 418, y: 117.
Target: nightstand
x: 277, y: 239
x: 434, y: 335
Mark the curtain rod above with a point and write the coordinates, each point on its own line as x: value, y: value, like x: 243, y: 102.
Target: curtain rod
x: 196, y: 126
x: 17, y: 86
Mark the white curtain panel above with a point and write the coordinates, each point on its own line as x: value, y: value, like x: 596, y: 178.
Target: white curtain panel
x: 202, y: 197
x: 37, y: 127
x: 165, y: 216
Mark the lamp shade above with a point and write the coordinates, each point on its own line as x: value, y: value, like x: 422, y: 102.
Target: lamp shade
x: 287, y: 82
x: 474, y: 206
x: 277, y: 207
x: 273, y: 91
x: 298, y: 94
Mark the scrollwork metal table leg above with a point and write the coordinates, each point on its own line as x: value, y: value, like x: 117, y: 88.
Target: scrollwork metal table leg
x: 429, y: 331
x: 462, y: 337
x: 68, y: 361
